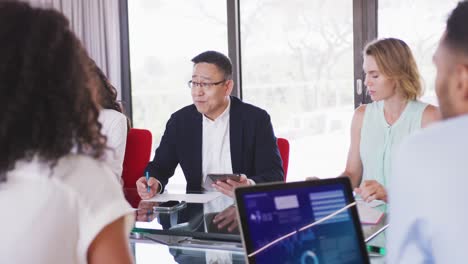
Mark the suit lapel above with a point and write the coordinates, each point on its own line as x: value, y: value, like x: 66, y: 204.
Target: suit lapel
x: 235, y: 134
x: 196, y: 142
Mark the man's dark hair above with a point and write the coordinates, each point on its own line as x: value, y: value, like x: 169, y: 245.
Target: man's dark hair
x: 457, y: 28
x: 47, y: 108
x: 218, y: 59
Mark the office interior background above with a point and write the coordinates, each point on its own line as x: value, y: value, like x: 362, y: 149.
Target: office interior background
x: 300, y: 60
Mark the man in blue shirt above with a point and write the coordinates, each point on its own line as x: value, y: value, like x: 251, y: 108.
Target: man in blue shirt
x: 428, y: 191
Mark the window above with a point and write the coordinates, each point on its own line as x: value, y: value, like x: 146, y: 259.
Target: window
x: 297, y: 64
x: 296, y: 60
x: 164, y: 36
x: 420, y: 24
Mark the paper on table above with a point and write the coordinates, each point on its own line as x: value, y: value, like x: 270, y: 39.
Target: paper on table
x: 374, y: 203
x: 367, y: 214
x: 189, y: 198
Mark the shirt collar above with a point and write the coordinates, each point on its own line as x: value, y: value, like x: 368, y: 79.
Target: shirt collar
x: 222, y: 116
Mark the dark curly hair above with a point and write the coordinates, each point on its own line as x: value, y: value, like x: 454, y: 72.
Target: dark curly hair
x: 107, y: 94
x: 47, y: 107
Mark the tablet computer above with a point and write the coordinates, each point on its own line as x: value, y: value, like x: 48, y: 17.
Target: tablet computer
x: 169, y: 206
x: 224, y: 177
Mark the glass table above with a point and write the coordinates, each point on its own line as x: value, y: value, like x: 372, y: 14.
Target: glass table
x: 148, y: 252
x: 188, y: 234
x: 193, y: 220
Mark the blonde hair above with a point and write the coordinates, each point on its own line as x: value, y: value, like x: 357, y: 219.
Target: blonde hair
x: 395, y: 60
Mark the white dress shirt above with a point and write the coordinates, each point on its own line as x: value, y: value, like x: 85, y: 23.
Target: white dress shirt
x: 216, y: 149
x: 216, y: 145
x: 428, y: 196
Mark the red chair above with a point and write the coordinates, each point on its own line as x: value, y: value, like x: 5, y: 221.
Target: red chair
x: 283, y: 146
x: 137, y: 155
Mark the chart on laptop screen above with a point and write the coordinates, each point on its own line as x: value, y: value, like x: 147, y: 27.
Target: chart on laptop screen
x: 273, y: 213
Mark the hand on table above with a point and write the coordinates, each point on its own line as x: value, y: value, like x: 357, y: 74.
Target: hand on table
x: 371, y: 190
x: 228, y: 186
x: 142, y: 187
x: 227, y: 218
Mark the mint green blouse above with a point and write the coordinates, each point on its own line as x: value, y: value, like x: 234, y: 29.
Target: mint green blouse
x: 379, y: 140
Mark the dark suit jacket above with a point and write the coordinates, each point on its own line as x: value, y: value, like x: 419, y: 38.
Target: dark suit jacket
x: 254, y: 151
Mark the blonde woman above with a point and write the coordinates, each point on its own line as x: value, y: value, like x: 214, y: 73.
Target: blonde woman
x: 394, y: 85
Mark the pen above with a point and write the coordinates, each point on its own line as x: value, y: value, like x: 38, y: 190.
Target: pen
x: 147, y: 179
x: 376, y: 233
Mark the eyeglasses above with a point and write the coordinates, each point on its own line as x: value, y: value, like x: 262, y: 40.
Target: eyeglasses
x: 192, y: 84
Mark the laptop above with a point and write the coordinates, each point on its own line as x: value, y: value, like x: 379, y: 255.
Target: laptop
x: 279, y: 210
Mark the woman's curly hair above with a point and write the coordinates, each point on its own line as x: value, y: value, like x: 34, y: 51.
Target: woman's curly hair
x: 107, y: 94
x: 47, y: 108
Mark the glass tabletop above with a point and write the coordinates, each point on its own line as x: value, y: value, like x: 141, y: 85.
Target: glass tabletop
x: 144, y: 252
x: 378, y: 241
x: 195, y: 220
x: 189, y: 231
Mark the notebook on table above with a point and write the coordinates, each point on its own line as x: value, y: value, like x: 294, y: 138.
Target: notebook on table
x: 268, y: 212
x: 368, y: 214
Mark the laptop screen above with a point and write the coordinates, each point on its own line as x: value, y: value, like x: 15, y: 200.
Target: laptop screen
x: 268, y: 212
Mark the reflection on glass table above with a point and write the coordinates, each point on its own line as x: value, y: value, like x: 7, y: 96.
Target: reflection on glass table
x: 379, y: 240
x: 225, y: 222
x: 215, y: 219
x: 203, y: 232
x: 145, y: 252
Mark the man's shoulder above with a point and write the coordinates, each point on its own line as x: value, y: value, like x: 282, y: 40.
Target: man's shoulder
x: 185, y: 111
x: 444, y: 130
x: 249, y: 110
x: 437, y: 140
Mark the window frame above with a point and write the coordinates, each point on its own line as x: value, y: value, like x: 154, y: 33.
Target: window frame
x: 364, y: 30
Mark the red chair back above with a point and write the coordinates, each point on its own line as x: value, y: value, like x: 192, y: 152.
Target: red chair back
x: 283, y: 146
x: 137, y: 155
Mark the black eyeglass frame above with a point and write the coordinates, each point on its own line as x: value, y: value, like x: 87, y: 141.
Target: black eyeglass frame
x: 192, y: 84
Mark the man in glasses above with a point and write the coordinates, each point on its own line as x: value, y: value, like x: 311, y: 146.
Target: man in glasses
x: 428, y: 193
x: 218, y: 133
